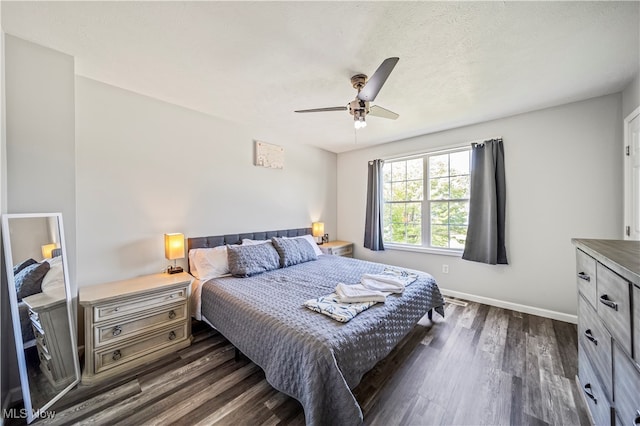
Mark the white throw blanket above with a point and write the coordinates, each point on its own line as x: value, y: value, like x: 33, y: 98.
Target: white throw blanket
x: 357, y: 293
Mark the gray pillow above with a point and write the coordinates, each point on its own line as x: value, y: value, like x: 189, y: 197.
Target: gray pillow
x: 20, y: 266
x: 245, y: 261
x: 293, y: 251
x: 29, y: 280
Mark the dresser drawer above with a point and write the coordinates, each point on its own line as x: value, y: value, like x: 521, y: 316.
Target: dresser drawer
x: 129, y: 350
x: 595, y: 340
x: 113, y: 332
x: 586, y: 276
x: 626, y: 382
x: 119, y: 309
x: 614, y: 305
x: 636, y: 323
x: 597, y: 401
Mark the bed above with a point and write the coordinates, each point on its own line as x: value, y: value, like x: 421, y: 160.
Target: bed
x: 309, y: 356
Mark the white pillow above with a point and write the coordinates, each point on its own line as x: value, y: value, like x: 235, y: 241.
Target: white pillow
x: 207, y: 263
x: 55, y: 276
x: 248, y: 242
x: 311, y: 241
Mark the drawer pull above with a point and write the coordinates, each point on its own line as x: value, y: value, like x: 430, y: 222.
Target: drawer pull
x: 636, y: 421
x: 587, y: 391
x: 116, y: 355
x: 116, y: 330
x: 584, y: 276
x: 41, y: 357
x: 116, y: 309
x: 44, y: 342
x: 172, y: 335
x: 589, y: 335
x: 172, y: 314
x: 604, y: 299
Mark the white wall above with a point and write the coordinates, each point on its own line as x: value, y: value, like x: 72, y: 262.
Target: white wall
x: 39, y: 168
x: 631, y: 96
x: 564, y: 180
x: 146, y: 167
x: 41, y: 135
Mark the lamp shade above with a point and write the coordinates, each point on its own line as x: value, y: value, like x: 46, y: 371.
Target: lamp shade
x: 173, y: 246
x: 317, y: 229
x: 47, y: 250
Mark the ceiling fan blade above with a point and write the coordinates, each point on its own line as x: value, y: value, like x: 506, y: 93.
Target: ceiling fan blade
x: 374, y: 84
x: 378, y: 111
x: 340, y: 108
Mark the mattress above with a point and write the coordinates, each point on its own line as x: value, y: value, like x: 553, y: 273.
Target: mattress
x: 305, y: 354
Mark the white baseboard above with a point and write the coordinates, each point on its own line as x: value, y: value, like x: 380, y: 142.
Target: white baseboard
x: 513, y: 306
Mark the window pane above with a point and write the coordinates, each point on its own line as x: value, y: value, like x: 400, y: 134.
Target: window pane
x: 399, y: 191
x: 386, y: 172
x: 458, y: 212
x: 414, y: 190
x: 386, y: 192
x: 439, y: 165
x: 398, y: 232
x: 439, y: 188
x: 414, y: 213
x: 440, y: 213
x: 414, y: 234
x: 399, y: 170
x: 397, y: 213
x: 460, y: 187
x: 414, y: 169
x: 440, y: 236
x: 459, y: 163
x: 458, y: 237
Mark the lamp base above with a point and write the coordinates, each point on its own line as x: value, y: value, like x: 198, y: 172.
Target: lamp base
x: 174, y: 269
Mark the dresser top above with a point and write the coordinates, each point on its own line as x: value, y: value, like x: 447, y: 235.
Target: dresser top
x: 621, y: 256
x: 143, y: 284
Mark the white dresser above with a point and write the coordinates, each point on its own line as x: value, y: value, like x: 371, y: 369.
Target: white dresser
x: 133, y: 322
x: 608, y: 280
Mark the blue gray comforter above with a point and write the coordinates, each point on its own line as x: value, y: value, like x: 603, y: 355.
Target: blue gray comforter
x: 307, y: 355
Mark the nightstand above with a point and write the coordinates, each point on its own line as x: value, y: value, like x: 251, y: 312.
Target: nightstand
x: 50, y: 322
x: 337, y: 248
x: 134, y: 322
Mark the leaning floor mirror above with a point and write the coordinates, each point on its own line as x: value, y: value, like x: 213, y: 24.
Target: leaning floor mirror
x: 41, y: 309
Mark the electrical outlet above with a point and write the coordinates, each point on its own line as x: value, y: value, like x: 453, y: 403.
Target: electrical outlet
x: 445, y: 269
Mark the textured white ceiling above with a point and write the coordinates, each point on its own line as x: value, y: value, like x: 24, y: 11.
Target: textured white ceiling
x: 256, y: 62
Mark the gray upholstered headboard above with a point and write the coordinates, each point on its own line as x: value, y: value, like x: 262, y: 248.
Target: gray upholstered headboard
x: 220, y: 240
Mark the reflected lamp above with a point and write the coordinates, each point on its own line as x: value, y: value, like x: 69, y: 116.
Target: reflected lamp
x: 47, y: 250
x: 174, y: 249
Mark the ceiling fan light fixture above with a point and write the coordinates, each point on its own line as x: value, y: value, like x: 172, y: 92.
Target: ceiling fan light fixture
x: 358, y: 122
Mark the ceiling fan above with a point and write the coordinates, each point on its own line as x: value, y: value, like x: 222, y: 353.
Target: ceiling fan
x: 367, y: 91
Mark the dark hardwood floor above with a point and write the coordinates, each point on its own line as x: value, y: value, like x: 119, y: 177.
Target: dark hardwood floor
x: 478, y: 365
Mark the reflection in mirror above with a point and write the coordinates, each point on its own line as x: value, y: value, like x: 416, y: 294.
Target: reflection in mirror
x: 41, y: 310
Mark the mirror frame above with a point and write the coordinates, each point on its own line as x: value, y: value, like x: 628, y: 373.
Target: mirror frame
x: 32, y: 413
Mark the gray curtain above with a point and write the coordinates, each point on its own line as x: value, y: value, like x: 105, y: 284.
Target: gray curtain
x: 373, y: 220
x: 485, y: 235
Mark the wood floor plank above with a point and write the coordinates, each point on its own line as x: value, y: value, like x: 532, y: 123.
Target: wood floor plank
x: 478, y: 365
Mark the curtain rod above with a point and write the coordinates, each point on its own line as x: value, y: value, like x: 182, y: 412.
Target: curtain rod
x: 437, y: 150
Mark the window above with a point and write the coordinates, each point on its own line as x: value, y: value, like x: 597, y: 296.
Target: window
x: 426, y: 200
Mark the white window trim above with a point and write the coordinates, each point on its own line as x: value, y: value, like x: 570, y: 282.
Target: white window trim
x: 425, y: 202
x: 423, y: 249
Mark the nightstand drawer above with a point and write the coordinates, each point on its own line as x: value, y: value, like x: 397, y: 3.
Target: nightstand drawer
x: 595, y: 340
x: 116, y: 331
x: 614, y: 305
x: 120, y: 354
x: 343, y: 251
x: 586, y: 276
x: 119, y: 309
